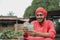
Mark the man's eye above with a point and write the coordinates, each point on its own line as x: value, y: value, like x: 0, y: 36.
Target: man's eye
x: 41, y: 15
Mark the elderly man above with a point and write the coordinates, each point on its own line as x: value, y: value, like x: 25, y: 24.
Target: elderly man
x: 43, y: 29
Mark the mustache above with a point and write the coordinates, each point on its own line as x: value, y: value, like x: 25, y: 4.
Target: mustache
x: 39, y: 18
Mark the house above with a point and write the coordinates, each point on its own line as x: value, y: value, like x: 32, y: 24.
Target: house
x: 9, y: 22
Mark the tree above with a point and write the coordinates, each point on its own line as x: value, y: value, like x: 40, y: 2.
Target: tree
x: 29, y: 11
x: 1, y: 15
x: 11, y: 13
x: 47, y: 4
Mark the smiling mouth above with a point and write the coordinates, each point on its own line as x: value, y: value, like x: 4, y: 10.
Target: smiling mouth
x: 39, y: 18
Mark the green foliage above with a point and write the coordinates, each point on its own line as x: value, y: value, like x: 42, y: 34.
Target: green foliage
x: 29, y: 11
x: 7, y: 34
x: 47, y: 4
x: 19, y: 33
x: 10, y: 34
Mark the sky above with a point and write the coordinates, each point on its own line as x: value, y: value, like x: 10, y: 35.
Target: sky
x: 17, y: 6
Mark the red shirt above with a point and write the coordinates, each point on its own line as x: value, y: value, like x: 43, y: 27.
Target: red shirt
x: 46, y: 27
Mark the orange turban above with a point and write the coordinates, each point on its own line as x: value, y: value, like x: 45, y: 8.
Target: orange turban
x: 40, y: 9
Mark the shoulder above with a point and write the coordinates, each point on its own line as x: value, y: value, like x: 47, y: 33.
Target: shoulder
x: 33, y: 22
x: 50, y: 22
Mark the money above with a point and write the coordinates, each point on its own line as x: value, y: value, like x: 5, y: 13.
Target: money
x: 29, y: 26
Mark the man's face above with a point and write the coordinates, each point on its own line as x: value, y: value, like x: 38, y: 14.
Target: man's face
x: 40, y: 17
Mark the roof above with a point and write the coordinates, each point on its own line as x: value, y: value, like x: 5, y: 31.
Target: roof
x: 13, y: 18
x: 8, y: 17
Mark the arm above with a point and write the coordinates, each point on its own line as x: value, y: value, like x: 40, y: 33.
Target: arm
x: 51, y: 33
x: 41, y: 34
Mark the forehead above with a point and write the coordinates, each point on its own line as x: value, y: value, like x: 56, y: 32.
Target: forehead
x: 39, y: 13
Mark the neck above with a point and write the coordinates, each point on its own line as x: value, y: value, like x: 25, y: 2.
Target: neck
x: 41, y: 22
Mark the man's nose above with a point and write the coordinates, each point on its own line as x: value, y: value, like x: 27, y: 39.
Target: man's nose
x: 39, y: 16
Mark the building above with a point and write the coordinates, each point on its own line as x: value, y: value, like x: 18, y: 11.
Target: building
x: 9, y: 22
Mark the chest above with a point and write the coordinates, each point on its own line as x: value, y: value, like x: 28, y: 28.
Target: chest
x: 41, y: 28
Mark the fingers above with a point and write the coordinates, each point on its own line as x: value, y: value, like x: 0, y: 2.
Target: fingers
x: 25, y: 29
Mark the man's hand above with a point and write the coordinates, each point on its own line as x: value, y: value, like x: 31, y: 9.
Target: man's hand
x: 25, y: 29
x: 32, y: 33
x: 25, y: 32
x: 40, y: 34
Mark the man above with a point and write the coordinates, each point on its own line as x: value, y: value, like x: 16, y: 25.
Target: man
x: 43, y: 29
